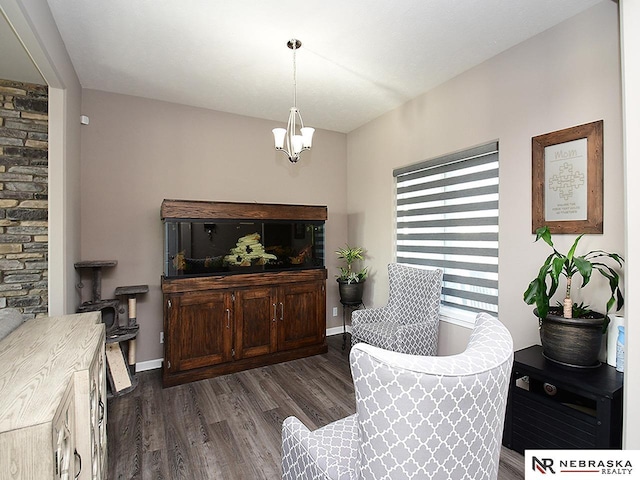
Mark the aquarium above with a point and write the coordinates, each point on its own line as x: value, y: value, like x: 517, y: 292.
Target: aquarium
x: 207, y: 247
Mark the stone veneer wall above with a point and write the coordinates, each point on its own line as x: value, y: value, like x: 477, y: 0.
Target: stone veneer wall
x: 23, y: 197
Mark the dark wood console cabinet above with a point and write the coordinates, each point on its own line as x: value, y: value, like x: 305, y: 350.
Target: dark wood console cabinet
x: 219, y: 324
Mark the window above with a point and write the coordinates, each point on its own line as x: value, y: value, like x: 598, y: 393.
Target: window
x: 447, y: 218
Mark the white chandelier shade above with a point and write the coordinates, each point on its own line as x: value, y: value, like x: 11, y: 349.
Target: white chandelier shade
x: 296, y: 138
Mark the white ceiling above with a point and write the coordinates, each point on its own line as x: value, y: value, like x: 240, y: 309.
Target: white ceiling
x: 359, y: 58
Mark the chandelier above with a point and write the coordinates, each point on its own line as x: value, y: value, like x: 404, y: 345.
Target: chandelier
x: 288, y: 140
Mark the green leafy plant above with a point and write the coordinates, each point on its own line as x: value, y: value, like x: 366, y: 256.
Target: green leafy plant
x: 558, y: 264
x: 351, y: 254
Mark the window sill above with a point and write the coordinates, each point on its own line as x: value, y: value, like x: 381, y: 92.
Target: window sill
x: 460, y: 320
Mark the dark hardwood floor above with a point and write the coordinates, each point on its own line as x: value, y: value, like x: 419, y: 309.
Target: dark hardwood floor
x: 229, y: 427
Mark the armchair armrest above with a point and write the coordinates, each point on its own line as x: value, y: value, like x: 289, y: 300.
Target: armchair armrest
x: 326, y: 453
x: 418, y: 338
x: 299, y: 456
x: 370, y: 315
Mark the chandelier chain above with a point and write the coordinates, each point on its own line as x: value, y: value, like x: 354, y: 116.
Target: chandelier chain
x: 295, y: 85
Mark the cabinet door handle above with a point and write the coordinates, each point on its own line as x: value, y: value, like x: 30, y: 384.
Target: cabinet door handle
x: 281, y: 311
x: 274, y: 313
x: 101, y: 412
x: 228, y: 318
x: 78, y: 461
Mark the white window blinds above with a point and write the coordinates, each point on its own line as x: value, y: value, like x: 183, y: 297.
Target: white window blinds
x: 447, y: 218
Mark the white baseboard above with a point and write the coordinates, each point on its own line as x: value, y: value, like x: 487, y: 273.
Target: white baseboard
x: 157, y: 363
x: 149, y: 365
x: 337, y: 330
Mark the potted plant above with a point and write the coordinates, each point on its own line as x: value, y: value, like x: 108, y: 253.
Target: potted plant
x: 351, y: 282
x: 571, y: 333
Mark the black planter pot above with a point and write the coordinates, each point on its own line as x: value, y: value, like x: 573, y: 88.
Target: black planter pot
x: 574, y: 342
x: 350, y: 293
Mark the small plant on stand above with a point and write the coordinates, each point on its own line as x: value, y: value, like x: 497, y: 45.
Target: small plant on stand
x: 350, y: 281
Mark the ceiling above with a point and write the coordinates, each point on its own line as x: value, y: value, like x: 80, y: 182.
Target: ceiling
x: 359, y: 58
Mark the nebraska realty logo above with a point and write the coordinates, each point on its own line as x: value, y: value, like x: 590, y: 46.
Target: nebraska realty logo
x: 582, y: 464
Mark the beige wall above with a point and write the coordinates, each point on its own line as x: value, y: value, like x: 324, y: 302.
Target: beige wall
x: 566, y: 76
x: 137, y: 152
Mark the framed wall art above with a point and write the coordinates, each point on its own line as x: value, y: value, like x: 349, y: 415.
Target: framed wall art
x: 567, y: 179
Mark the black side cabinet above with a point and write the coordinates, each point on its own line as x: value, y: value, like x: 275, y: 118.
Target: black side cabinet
x: 552, y: 406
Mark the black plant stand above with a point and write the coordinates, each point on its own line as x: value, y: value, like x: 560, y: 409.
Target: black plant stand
x: 348, y: 308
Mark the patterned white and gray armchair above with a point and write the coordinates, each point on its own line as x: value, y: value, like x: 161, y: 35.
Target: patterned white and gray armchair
x: 417, y: 417
x: 409, y: 321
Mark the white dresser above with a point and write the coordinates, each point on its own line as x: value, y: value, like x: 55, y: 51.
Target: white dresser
x: 53, y: 399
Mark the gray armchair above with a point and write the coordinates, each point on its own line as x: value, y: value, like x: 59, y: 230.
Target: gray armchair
x: 409, y: 321
x: 416, y: 417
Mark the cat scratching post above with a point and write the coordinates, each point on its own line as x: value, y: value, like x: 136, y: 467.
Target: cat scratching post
x: 108, y: 308
x: 131, y: 292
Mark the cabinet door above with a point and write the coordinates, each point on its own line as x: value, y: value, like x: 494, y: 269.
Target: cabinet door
x: 255, y: 315
x: 200, y: 330
x: 301, y: 310
x: 101, y: 385
x: 67, y: 461
x: 98, y: 412
x: 90, y: 433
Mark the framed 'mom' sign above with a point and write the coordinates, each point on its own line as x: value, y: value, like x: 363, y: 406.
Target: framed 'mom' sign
x: 567, y: 180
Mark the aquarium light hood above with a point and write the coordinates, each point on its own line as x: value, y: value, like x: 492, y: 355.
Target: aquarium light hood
x: 288, y: 140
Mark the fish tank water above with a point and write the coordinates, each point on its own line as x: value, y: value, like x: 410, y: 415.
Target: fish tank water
x: 208, y: 247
